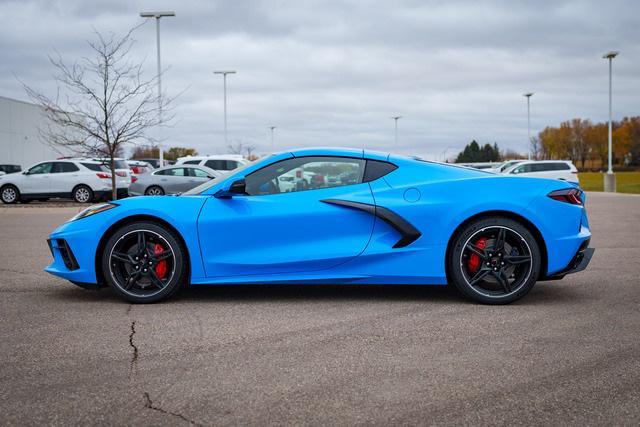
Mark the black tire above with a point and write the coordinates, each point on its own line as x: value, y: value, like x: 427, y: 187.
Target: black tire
x: 9, y: 194
x: 154, y: 190
x: 500, y: 273
x: 82, y: 194
x: 148, y: 284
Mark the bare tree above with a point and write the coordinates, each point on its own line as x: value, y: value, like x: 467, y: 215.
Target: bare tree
x: 103, y: 102
x: 535, y: 148
x: 239, y: 147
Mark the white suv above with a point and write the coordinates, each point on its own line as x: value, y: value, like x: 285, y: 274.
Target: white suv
x: 553, y: 169
x: 80, y: 180
x: 221, y: 162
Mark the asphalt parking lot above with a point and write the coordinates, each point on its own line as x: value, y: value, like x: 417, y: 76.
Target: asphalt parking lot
x: 569, y: 353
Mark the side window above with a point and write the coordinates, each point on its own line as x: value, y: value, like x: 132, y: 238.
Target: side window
x: 231, y: 165
x: 177, y: 172
x: 305, y: 173
x: 41, y: 168
x: 561, y: 166
x: 64, y: 167
x: 93, y: 166
x: 376, y: 169
x: 198, y: 173
x: 191, y: 162
x: 219, y: 165
x: 541, y: 167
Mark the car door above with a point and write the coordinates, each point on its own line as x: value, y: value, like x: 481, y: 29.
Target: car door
x: 37, y: 179
x: 64, y: 176
x: 268, y: 231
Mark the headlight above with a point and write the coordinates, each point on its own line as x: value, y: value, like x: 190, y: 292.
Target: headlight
x: 92, y: 210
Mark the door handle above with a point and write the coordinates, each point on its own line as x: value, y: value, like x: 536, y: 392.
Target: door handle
x: 408, y: 232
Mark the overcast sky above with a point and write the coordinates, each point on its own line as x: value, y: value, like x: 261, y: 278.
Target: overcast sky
x: 332, y: 73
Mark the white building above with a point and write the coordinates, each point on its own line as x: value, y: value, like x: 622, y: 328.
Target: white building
x: 20, y: 141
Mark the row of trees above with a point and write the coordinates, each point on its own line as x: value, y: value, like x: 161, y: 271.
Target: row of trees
x: 474, y: 153
x: 583, y: 141
x: 151, y: 152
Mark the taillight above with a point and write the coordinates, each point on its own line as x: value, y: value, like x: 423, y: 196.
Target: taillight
x: 121, y: 174
x: 103, y: 175
x: 568, y: 195
x: 133, y: 179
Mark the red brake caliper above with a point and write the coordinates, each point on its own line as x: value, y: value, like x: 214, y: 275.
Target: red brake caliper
x: 474, y: 259
x: 161, y: 267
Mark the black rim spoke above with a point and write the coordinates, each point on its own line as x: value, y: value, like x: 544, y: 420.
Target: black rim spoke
x: 132, y: 280
x: 478, y: 251
x: 503, y: 280
x: 142, y: 242
x: 499, y: 243
x: 124, y: 257
x: 479, y: 276
x: 517, y: 259
x: 161, y: 256
x: 155, y: 279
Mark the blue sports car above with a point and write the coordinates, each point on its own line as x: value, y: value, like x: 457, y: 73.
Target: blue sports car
x: 340, y: 216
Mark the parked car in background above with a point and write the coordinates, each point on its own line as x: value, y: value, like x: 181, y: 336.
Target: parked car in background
x: 505, y: 165
x: 155, y: 163
x: 479, y: 165
x: 220, y: 162
x: 80, y: 180
x: 138, y: 167
x: 7, y: 169
x: 553, y: 169
x: 121, y: 167
x: 171, y: 180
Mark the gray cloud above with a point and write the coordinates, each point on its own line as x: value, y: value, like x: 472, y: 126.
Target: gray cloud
x: 332, y: 72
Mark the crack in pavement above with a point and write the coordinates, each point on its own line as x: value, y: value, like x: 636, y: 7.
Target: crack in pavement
x: 134, y: 357
x: 149, y: 404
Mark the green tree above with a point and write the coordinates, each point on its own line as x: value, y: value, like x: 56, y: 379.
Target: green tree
x: 473, y: 153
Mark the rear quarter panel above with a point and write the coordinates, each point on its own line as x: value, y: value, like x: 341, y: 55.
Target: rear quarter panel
x: 437, y: 199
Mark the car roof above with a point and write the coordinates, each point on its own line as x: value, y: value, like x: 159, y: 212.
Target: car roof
x: 339, y: 152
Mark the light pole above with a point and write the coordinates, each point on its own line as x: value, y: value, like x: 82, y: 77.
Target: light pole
x: 609, y: 177
x: 224, y: 83
x: 158, y: 15
x: 272, y: 128
x: 528, y: 95
x: 395, y: 119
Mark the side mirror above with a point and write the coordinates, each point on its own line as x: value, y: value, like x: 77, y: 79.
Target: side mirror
x: 515, y: 171
x: 237, y: 188
x: 25, y: 172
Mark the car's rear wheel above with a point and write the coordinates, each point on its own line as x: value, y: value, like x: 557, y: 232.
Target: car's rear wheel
x: 82, y: 194
x: 154, y: 190
x: 144, y: 262
x: 9, y: 194
x: 494, y: 261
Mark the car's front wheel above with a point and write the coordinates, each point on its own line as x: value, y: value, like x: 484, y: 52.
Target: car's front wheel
x: 144, y: 262
x: 494, y: 261
x: 9, y: 194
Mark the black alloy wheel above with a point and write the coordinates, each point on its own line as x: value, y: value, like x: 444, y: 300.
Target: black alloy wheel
x: 495, y: 261
x: 144, y: 262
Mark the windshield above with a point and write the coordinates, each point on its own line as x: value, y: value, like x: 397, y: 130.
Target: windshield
x: 507, y: 165
x: 205, y: 186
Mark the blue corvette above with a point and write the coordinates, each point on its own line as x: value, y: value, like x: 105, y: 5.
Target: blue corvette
x: 341, y: 216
